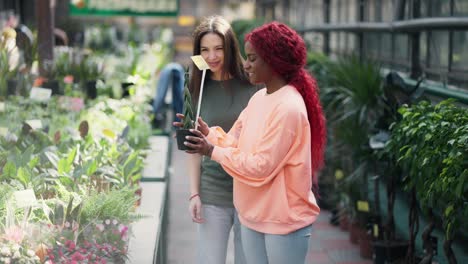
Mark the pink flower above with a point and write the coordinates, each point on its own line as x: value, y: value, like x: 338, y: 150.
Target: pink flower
x: 68, y: 79
x: 14, y: 234
x: 100, y: 227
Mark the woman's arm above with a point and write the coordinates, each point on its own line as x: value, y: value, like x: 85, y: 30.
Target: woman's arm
x: 285, y: 132
x: 268, y: 155
x: 194, y: 163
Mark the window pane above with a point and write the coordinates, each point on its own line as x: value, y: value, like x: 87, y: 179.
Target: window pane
x: 438, y: 49
x: 440, y: 8
x: 371, y: 42
x: 352, y: 10
x: 334, y: 42
x: 386, y: 46
x: 370, y: 14
x: 460, y: 50
x: 423, y: 48
x: 461, y: 8
x: 387, y: 10
x: 401, y: 48
x: 334, y: 12
x: 315, y: 40
x: 350, y: 43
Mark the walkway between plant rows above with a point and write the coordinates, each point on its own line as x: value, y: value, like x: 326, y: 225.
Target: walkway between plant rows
x: 328, y: 244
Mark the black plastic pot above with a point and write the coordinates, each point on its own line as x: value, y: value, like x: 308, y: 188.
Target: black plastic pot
x: 54, y: 86
x: 180, y: 135
x: 12, y: 87
x: 389, y: 251
x: 91, y: 90
x: 126, y: 89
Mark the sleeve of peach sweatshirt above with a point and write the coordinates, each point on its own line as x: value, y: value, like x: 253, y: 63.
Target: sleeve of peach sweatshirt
x: 218, y: 137
x: 269, y: 154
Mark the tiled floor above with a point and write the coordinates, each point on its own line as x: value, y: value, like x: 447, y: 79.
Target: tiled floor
x: 328, y: 244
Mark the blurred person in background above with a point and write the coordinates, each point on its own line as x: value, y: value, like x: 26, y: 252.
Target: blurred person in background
x: 274, y: 149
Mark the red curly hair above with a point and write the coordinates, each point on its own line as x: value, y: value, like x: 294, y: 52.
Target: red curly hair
x: 285, y: 51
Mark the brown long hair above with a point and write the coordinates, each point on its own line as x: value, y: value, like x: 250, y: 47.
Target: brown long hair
x: 232, y: 58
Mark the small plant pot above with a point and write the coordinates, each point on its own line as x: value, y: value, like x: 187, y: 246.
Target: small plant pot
x: 12, y: 87
x: 389, y: 251
x: 126, y: 89
x: 354, y: 230
x: 91, y: 90
x: 54, y: 86
x: 180, y: 135
x: 365, y: 244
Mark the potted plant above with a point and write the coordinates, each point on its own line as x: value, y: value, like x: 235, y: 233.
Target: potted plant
x: 89, y: 71
x: 188, y: 118
x: 8, y: 74
x: 430, y: 145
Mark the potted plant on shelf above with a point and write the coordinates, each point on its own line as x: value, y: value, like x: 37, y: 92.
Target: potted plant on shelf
x: 188, y: 118
x: 90, y: 71
x: 8, y: 73
x: 431, y: 145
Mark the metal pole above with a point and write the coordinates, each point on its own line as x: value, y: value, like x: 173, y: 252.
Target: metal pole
x: 415, y: 43
x: 360, y: 35
x: 326, y: 20
x: 45, y: 34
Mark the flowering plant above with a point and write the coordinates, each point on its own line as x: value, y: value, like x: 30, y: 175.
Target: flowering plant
x: 12, y: 252
x: 14, y: 248
x: 98, y: 243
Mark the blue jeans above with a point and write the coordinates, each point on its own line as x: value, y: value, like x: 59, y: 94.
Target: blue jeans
x: 171, y: 75
x: 261, y: 248
x: 214, y: 235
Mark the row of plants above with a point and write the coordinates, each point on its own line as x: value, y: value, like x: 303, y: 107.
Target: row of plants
x: 83, y: 177
x: 81, y: 72
x: 379, y: 134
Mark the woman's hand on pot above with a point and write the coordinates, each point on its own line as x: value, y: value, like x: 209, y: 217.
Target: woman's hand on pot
x: 179, y: 124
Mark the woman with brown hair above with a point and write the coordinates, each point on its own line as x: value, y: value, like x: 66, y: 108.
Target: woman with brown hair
x: 226, y: 92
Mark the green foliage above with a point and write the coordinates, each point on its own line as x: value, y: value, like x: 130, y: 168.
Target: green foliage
x: 115, y: 204
x: 6, y: 72
x: 89, y: 69
x: 243, y: 26
x: 431, y: 145
x: 353, y: 101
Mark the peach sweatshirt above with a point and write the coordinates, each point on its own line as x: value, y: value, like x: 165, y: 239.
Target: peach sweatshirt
x: 267, y: 152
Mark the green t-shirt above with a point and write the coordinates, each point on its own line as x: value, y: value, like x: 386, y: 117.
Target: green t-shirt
x: 222, y: 103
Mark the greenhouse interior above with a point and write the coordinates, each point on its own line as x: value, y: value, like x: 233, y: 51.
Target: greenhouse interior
x: 91, y: 170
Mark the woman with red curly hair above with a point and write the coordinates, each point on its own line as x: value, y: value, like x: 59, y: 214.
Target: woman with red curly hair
x: 274, y: 149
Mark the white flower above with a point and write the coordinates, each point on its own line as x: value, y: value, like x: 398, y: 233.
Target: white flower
x: 107, y: 221
x: 114, y: 222
x: 31, y: 253
x: 15, y: 247
x: 5, y: 251
x: 7, y: 260
x: 17, y: 255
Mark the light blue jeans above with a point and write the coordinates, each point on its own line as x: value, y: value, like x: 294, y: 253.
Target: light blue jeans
x: 172, y: 75
x: 214, y: 235
x: 261, y: 248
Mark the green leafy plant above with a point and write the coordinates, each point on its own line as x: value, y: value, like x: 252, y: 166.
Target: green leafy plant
x: 431, y: 145
x: 6, y: 71
x: 188, y: 108
x: 353, y: 100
